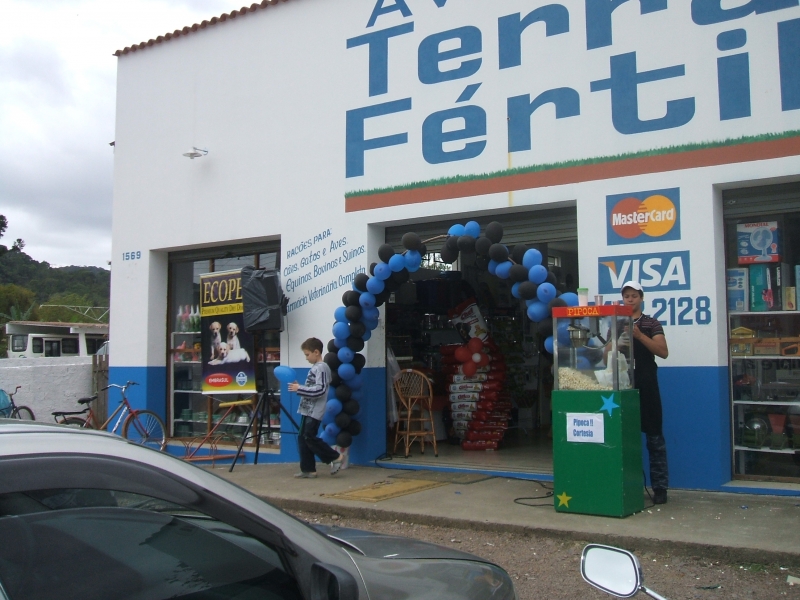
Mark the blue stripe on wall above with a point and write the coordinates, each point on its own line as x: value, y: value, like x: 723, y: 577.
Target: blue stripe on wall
x: 697, y: 426
x: 150, y: 393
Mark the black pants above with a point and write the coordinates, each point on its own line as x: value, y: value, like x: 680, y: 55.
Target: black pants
x: 308, y: 444
x: 650, y: 402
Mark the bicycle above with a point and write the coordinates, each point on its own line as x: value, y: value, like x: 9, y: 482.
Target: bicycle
x: 140, y: 426
x: 8, y: 409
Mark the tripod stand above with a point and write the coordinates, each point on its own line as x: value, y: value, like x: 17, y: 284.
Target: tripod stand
x: 257, y: 420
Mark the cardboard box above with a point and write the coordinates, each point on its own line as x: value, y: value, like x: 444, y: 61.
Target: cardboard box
x: 738, y: 290
x: 762, y: 288
x: 767, y: 346
x: 742, y: 347
x: 789, y: 298
x: 758, y: 242
x: 790, y: 346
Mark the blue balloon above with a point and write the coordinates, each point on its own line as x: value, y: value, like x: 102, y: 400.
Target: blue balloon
x: 334, y: 405
x: 345, y: 355
x: 332, y: 429
x: 456, y: 230
x: 548, y: 344
x: 339, y: 315
x: 346, y: 371
x: 366, y: 300
x: 367, y: 335
x: 472, y: 228
x: 370, y: 313
x: 397, y: 263
x: 515, y: 290
x: 285, y: 374
x: 370, y: 324
x: 356, y: 382
x: 546, y: 292
x: 538, y: 311
x: 328, y: 438
x: 413, y: 259
x: 341, y: 330
x: 493, y: 267
x: 375, y: 285
x: 563, y: 333
x: 340, y: 342
x: 383, y: 271
x: 570, y: 298
x: 503, y: 269
x: 537, y: 274
x: 531, y: 258
x: 583, y: 363
x: 327, y: 419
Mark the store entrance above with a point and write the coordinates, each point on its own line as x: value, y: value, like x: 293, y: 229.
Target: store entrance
x: 423, y: 319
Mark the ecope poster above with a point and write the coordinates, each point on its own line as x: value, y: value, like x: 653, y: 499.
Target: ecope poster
x: 228, y: 365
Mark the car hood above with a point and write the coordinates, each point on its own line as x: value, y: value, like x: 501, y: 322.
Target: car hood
x: 377, y: 545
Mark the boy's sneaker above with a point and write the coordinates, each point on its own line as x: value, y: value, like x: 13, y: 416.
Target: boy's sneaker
x: 336, y: 465
x: 659, y: 496
x: 304, y: 475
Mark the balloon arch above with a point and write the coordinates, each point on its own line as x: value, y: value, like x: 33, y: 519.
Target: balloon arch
x: 358, y: 316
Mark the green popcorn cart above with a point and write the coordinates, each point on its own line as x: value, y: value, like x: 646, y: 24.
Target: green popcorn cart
x: 597, y: 444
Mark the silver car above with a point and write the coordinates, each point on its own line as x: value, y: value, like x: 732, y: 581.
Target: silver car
x: 85, y: 514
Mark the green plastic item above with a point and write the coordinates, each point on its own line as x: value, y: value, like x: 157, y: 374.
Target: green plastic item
x: 597, y: 454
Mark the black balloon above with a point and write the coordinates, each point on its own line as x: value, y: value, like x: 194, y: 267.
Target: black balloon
x: 449, y: 256
x: 527, y: 290
x: 343, y: 392
x: 358, y: 329
x: 494, y: 231
x: 400, y: 276
x: 390, y: 285
x: 482, y: 245
x: 557, y: 302
x: 372, y: 268
x: 545, y: 327
x: 382, y: 297
x: 411, y: 241
x: 482, y: 262
x: 335, y: 379
x: 354, y: 428
x: 351, y: 407
x: 452, y: 242
x: 359, y: 361
x: 466, y: 243
x: 356, y: 344
x: 342, y: 420
x: 353, y: 313
x: 518, y: 273
x: 344, y: 439
x: 517, y: 252
x: 498, y: 253
x: 423, y: 249
x: 385, y: 252
x: 360, y: 281
x: 332, y: 360
x: 332, y: 346
x: 350, y: 298
x: 551, y: 278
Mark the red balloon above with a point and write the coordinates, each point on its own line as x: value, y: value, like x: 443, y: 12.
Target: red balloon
x: 484, y: 360
x: 463, y: 354
x: 475, y: 345
x: 470, y: 368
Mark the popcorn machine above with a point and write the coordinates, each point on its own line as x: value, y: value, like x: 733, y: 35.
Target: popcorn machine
x: 597, y: 445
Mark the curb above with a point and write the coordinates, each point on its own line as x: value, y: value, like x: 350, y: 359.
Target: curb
x: 634, y: 544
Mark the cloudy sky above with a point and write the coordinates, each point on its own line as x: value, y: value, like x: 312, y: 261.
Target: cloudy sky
x: 57, y: 98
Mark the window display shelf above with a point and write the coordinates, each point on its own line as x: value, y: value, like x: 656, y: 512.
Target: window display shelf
x: 765, y: 357
x: 766, y: 449
x: 767, y: 402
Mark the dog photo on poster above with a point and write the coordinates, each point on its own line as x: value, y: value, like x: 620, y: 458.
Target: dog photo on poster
x: 227, y: 349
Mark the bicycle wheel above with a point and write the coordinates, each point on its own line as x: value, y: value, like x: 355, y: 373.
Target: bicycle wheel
x: 75, y: 423
x: 23, y: 413
x: 145, y: 427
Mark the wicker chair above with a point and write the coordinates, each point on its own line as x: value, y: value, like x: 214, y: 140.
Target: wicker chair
x: 415, y: 398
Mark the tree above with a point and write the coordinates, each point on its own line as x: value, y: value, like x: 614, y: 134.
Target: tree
x: 57, y: 311
x: 16, y: 303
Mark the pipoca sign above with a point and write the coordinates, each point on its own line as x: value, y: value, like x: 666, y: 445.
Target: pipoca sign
x: 451, y: 81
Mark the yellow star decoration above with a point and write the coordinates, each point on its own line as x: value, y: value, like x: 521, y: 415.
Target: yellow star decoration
x: 563, y: 499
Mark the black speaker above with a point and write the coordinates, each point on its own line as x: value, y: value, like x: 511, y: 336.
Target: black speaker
x: 264, y: 304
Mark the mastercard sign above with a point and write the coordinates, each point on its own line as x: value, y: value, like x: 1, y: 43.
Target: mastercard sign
x: 640, y: 217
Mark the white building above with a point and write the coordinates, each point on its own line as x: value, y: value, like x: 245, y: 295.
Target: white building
x: 333, y: 127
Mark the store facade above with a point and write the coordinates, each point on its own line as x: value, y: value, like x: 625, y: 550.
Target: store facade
x: 330, y: 127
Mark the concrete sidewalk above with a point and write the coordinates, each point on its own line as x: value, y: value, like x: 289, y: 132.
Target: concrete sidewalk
x: 733, y: 527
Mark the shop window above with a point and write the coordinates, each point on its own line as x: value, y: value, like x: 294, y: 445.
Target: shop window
x: 37, y: 346
x: 19, y: 343
x: 69, y: 346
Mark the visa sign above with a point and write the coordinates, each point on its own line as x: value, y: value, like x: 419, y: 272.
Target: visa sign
x: 637, y: 217
x: 662, y: 272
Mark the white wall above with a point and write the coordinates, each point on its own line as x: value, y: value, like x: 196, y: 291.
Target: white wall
x: 48, y: 384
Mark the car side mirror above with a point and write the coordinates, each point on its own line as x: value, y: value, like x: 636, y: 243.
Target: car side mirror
x: 329, y: 582
x: 611, y: 570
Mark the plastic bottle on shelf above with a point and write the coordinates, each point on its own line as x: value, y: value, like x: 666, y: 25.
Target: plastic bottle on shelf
x: 179, y: 319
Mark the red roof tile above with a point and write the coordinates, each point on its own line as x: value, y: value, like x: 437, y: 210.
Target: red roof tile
x: 197, y: 26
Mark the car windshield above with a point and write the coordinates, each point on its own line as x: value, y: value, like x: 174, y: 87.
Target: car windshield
x: 88, y: 543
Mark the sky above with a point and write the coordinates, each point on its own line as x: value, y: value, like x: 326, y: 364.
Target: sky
x: 57, y: 102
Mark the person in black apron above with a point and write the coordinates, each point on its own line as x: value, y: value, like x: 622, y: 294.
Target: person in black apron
x: 648, y: 342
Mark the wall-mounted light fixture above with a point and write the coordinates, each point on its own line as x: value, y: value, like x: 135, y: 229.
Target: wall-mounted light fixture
x: 196, y: 152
